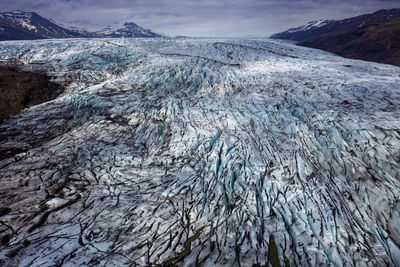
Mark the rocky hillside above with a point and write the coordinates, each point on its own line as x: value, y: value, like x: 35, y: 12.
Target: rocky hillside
x: 316, y: 29
x: 379, y: 42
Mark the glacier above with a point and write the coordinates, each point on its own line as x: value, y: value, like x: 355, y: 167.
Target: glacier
x: 201, y: 151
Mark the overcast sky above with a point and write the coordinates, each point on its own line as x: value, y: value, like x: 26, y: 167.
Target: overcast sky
x: 229, y: 18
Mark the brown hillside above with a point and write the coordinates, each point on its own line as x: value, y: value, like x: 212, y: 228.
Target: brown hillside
x: 19, y: 90
x: 378, y: 42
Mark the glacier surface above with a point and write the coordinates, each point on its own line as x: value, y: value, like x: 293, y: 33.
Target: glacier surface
x: 206, y: 152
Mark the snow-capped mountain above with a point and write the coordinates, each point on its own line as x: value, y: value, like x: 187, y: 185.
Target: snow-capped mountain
x: 29, y: 25
x: 201, y: 152
x: 20, y: 25
x: 75, y: 26
x: 309, y: 26
x: 129, y: 29
x: 115, y: 30
x: 316, y: 29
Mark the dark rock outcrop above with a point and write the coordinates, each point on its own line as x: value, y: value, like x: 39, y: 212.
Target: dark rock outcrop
x: 19, y: 90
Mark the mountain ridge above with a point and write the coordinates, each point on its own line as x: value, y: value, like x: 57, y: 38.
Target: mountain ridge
x: 21, y: 25
x: 377, y: 42
x: 336, y: 26
x: 370, y: 37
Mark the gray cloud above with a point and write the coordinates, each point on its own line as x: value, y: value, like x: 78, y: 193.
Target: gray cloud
x: 202, y: 17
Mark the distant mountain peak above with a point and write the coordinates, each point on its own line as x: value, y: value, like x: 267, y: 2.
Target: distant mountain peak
x: 129, y: 29
x: 130, y: 24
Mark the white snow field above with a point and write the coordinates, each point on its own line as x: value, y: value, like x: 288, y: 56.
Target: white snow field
x: 208, y: 152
